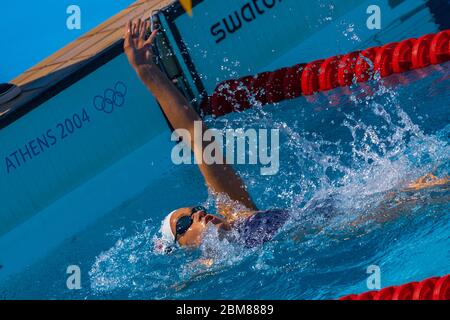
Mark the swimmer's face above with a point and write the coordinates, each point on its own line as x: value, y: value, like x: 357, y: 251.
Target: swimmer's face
x: 194, y: 235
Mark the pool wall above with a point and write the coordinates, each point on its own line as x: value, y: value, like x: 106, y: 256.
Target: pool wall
x: 72, y: 137
x: 55, y: 156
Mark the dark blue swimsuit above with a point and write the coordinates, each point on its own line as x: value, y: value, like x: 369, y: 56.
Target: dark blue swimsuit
x: 261, y: 227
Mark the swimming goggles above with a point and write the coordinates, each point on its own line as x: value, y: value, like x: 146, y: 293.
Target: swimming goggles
x: 185, y: 222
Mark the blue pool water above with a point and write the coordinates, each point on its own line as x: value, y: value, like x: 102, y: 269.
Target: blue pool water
x: 345, y: 158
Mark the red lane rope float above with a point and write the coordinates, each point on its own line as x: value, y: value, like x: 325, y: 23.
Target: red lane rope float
x: 327, y: 74
x: 292, y: 86
x: 402, y: 56
x: 421, y: 52
x: 383, y: 59
x: 346, y: 68
x: 440, y: 46
x: 437, y: 288
x: 364, y: 65
x: 310, y: 77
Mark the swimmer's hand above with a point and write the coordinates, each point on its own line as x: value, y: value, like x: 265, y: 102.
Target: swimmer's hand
x: 427, y: 181
x: 206, y: 262
x: 202, y: 263
x: 137, y: 48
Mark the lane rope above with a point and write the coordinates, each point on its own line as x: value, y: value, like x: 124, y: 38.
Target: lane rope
x: 326, y: 74
x: 436, y: 288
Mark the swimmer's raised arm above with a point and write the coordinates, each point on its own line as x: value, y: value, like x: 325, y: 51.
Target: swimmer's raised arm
x: 221, y: 178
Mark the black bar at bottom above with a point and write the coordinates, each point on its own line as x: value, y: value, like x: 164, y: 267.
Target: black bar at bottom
x: 229, y: 309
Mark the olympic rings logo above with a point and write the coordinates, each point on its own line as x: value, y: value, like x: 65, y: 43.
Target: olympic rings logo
x: 111, y: 98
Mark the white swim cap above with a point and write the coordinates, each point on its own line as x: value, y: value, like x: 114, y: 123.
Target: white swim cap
x: 166, y: 230
x: 165, y: 244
